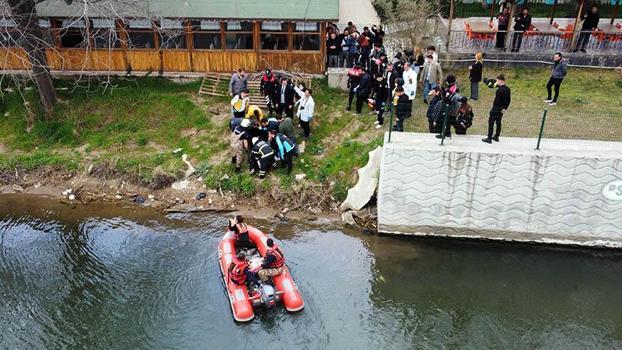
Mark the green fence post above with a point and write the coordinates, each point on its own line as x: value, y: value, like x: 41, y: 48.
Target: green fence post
x: 446, y: 109
x: 390, y: 123
x: 541, y: 129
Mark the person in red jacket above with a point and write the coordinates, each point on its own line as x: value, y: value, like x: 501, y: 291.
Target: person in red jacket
x: 240, y: 272
x: 267, y: 88
x: 240, y: 232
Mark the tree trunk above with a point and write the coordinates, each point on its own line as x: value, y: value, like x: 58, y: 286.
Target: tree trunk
x: 25, y: 15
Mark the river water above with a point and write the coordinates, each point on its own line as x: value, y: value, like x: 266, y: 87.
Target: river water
x: 104, y: 277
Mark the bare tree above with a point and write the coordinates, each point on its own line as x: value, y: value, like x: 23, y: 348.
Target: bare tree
x: 407, y: 20
x: 29, y: 37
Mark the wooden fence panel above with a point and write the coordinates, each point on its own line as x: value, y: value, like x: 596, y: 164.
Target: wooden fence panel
x: 223, y: 61
x: 68, y: 59
x: 144, y: 60
x: 176, y: 61
x: 13, y: 58
x: 107, y: 60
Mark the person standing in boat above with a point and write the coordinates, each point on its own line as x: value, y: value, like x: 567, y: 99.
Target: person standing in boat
x: 273, y: 262
x: 240, y: 232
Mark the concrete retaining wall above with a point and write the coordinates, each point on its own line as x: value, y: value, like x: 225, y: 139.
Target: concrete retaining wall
x: 563, y: 194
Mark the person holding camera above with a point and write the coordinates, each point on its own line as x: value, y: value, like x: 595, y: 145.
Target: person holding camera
x: 499, y: 106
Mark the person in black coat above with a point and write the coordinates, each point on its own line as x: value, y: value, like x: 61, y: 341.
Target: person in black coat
x: 390, y: 77
x: 403, y: 108
x: 434, y: 110
x: 354, y: 79
x: 499, y: 107
x: 381, y: 91
x: 590, y: 23
x: 503, y: 20
x: 362, y: 91
x: 284, y: 98
x: 475, y: 75
x: 333, y: 49
x: 522, y: 24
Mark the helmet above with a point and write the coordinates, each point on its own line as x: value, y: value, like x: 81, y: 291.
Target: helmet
x: 254, y: 140
x: 246, y: 123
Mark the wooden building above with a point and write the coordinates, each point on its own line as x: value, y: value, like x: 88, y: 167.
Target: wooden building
x: 180, y: 35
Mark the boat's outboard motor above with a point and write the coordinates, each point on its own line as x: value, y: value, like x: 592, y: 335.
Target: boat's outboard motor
x: 268, y: 295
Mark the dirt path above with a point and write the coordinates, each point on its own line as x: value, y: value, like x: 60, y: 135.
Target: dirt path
x: 362, y: 13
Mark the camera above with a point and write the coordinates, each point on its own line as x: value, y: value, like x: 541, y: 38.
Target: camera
x: 491, y: 83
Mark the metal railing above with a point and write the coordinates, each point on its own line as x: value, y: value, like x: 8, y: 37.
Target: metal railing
x: 538, y: 124
x: 534, y: 41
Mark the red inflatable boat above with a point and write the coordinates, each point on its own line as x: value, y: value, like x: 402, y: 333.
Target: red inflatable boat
x: 243, y: 301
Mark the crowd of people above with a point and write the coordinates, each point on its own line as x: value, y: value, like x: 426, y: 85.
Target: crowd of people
x: 268, y: 141
x: 390, y: 85
x: 384, y: 85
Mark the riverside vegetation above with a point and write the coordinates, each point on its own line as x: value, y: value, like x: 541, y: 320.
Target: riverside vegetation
x: 127, y: 129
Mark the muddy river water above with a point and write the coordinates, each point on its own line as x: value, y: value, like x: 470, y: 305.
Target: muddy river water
x: 100, y: 277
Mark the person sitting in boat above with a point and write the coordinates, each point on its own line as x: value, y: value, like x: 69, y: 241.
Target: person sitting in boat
x: 273, y: 262
x: 239, y: 271
x: 240, y: 232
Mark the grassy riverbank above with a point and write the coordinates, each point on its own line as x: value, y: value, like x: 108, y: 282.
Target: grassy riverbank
x: 129, y: 129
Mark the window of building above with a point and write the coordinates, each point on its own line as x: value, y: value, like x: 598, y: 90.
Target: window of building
x: 9, y: 36
x: 306, y: 36
x: 140, y: 34
x: 73, y: 34
x: 104, y: 34
x: 306, y: 27
x: 274, y: 35
x: 172, y: 34
x: 239, y: 35
x: 46, y: 32
x: 206, y: 35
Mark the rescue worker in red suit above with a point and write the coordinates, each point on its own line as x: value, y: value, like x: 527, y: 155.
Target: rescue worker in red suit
x: 267, y: 88
x: 239, y: 271
x: 240, y: 232
x: 273, y: 262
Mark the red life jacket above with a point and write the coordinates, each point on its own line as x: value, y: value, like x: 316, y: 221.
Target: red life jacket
x: 241, y: 232
x: 237, y: 273
x: 269, y: 78
x: 355, y: 72
x: 279, y: 260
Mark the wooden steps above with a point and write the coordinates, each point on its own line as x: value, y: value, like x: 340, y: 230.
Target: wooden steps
x: 255, y: 95
x: 217, y: 84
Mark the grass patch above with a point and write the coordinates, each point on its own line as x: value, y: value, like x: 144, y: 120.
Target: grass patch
x: 37, y: 159
x: 223, y: 177
x: 586, y: 98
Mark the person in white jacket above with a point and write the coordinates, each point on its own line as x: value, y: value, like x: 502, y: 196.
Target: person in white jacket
x: 410, y: 81
x: 306, y: 107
